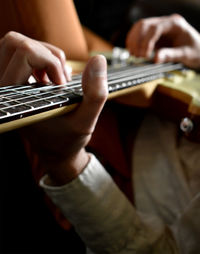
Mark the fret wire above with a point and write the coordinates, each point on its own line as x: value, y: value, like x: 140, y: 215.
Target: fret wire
x: 140, y: 75
x: 29, y: 93
x: 20, y: 104
x: 75, y: 84
x: 46, y: 87
x: 31, y: 108
x: 13, y: 87
x: 70, y: 85
x: 25, y: 104
x: 159, y: 68
x: 111, y: 73
x: 166, y: 69
x: 30, y: 96
x: 7, y: 101
x: 3, y: 88
x: 127, y: 72
x: 31, y: 101
x: 133, y: 69
x: 61, y: 92
x: 113, y: 81
x: 54, y: 87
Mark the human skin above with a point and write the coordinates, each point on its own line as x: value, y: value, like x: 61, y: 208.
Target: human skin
x: 21, y: 57
x: 60, y: 142
x: 180, y: 41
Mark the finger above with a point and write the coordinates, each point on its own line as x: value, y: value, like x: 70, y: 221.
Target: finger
x: 143, y: 37
x: 68, y: 72
x: 146, y: 33
x: 94, y: 83
x: 60, y: 54
x: 185, y: 55
x: 41, y: 76
x: 41, y: 58
x: 8, y: 46
x: 133, y: 38
x: 149, y: 40
x: 32, y: 56
x: 17, y: 71
x: 170, y: 55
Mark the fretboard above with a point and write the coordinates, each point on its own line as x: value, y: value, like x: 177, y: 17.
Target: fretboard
x: 19, y: 101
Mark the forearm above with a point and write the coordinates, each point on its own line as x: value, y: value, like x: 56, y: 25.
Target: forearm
x: 104, y: 218
x: 75, y: 165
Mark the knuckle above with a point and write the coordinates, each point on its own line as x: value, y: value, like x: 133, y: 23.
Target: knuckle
x: 176, y: 16
x: 153, y: 27
x: 56, y: 63
x: 61, y: 54
x: 10, y: 39
x: 178, y: 19
x: 142, y: 22
x: 26, y: 46
x: 146, y: 22
x: 10, y: 35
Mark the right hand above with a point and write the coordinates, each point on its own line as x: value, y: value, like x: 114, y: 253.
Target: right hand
x: 180, y: 41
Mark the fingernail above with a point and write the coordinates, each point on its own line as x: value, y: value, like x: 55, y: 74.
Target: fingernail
x: 98, y: 67
x: 63, y: 79
x: 161, y: 57
x: 68, y: 72
x: 62, y: 54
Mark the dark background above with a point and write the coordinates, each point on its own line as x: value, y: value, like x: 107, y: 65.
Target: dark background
x: 27, y: 225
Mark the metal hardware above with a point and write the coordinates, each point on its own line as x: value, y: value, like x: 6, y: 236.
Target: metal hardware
x: 186, y: 125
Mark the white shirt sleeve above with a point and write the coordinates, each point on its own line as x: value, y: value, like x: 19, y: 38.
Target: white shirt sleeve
x: 104, y: 218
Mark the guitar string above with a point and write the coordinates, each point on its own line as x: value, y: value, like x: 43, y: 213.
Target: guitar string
x: 74, y: 83
x: 69, y: 87
x: 50, y: 98
x: 111, y: 73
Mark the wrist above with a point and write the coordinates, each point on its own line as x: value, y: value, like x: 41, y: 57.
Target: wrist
x: 64, y: 171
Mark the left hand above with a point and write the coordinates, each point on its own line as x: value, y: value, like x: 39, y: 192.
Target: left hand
x: 60, y: 142
x: 21, y: 57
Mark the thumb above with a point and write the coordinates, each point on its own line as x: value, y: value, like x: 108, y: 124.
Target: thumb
x: 95, y: 92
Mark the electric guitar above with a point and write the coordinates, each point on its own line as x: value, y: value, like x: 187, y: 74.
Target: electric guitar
x: 21, y: 105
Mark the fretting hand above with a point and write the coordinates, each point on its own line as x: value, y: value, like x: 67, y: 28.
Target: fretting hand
x: 21, y: 57
x: 60, y: 142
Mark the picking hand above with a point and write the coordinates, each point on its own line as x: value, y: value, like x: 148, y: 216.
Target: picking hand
x: 171, y: 37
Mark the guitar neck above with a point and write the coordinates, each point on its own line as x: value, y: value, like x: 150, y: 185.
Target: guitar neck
x: 21, y: 105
